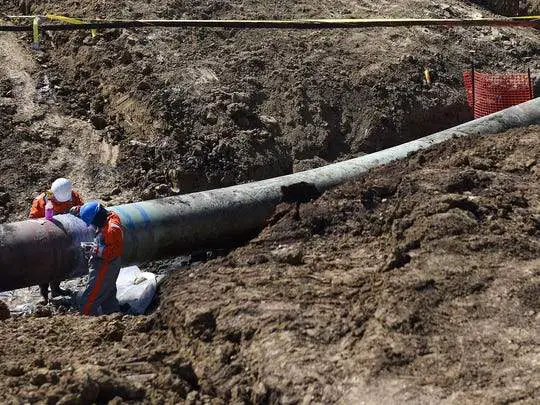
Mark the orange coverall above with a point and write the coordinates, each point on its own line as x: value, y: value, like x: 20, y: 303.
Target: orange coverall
x: 38, y: 205
x: 38, y: 211
x: 104, y: 267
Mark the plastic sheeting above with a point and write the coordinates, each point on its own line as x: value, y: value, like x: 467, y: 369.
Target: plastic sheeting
x: 135, y: 288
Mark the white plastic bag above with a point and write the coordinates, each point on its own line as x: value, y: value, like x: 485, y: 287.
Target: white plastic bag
x: 135, y: 288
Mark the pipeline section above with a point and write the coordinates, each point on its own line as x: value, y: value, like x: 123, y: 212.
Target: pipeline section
x: 35, y: 251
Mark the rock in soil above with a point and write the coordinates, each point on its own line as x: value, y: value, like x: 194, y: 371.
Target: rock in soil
x: 4, y: 311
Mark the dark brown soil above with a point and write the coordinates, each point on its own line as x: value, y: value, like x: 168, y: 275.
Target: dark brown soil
x: 511, y: 7
x: 417, y: 284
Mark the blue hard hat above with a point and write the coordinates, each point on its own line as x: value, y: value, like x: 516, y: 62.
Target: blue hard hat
x: 88, y: 211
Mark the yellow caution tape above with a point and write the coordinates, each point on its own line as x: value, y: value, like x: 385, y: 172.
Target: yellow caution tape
x: 524, y: 21
x: 69, y: 20
x: 72, y: 20
x: 527, y: 17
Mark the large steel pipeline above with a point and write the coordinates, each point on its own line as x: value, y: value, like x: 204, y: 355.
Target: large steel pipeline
x: 35, y: 251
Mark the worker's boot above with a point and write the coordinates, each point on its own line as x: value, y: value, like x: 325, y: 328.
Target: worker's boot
x: 44, y: 291
x: 56, y: 291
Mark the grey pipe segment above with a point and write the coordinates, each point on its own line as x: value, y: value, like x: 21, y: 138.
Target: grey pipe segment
x: 36, y: 251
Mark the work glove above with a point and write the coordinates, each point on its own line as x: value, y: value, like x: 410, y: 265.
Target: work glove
x: 75, y: 210
x: 88, y: 249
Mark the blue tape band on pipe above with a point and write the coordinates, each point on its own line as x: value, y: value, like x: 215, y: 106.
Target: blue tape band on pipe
x: 147, y: 222
x: 127, y: 222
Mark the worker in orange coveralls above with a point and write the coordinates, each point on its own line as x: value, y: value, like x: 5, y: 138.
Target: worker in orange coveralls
x: 62, y: 196
x: 99, y: 296
x: 63, y: 200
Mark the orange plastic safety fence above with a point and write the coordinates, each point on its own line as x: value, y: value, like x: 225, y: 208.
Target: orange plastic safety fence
x: 496, y: 91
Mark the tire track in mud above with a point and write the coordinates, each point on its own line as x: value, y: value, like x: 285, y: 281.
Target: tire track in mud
x: 60, y: 144
x: 18, y: 67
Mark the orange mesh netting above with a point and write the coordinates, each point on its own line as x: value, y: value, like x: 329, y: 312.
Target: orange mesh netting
x: 496, y: 91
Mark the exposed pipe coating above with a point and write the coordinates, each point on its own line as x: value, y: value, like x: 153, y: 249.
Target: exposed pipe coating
x: 35, y: 251
x: 38, y: 250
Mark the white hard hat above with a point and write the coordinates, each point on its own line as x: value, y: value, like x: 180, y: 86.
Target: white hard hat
x: 61, y: 189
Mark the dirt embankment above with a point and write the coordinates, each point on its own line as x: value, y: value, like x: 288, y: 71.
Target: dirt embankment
x: 149, y: 113
x: 417, y: 284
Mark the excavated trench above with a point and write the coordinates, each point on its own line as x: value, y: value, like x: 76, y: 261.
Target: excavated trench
x: 154, y: 113
x: 413, y: 291
x: 157, y: 228
x: 414, y: 284
x: 147, y: 143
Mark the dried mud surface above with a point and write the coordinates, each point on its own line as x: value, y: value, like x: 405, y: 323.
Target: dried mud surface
x: 417, y: 284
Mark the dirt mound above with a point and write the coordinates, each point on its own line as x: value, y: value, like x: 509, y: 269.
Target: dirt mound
x: 148, y: 113
x: 417, y: 284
